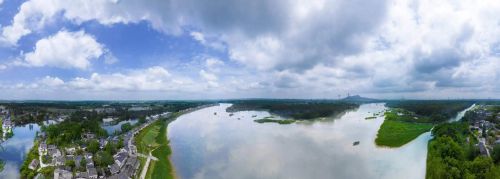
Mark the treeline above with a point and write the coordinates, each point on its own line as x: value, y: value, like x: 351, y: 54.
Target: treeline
x: 296, y: 109
x: 68, y: 132
x: 436, y: 110
x: 452, y: 154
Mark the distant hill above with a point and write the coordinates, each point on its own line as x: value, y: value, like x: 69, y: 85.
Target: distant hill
x: 358, y: 98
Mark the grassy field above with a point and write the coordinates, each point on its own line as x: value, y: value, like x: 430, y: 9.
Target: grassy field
x: 154, y: 139
x: 397, y: 133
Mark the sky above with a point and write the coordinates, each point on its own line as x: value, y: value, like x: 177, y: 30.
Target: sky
x: 220, y: 49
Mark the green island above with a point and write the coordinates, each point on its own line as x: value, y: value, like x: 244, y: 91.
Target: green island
x: 393, y: 133
x: 406, y: 120
x: 270, y: 119
x: 370, y: 117
x: 295, y: 109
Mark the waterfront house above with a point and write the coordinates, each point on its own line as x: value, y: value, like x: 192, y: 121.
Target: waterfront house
x: 7, y: 125
x: 108, y: 121
x: 34, y: 164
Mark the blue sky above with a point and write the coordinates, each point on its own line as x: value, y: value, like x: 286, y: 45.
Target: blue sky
x: 172, y: 49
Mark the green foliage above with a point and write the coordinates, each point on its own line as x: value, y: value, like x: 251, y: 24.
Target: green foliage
x: 279, y: 121
x: 296, y: 109
x: 397, y: 133
x: 436, y: 110
x: 70, y: 163
x: 93, y: 146
x: 496, y: 154
x: 450, y: 156
x: 32, y: 154
x: 68, y: 132
x: 48, y: 172
x: 103, y: 159
x: 126, y: 127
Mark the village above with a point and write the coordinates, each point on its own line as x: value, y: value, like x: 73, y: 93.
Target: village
x: 485, y: 126
x: 78, y: 161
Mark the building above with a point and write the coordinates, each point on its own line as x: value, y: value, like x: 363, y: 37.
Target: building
x: 108, y: 121
x: 59, y: 161
x: 120, y: 158
x: 114, y: 169
x: 92, y: 173
x: 34, y: 164
x: 7, y: 125
x: 62, y: 174
x: 42, y: 148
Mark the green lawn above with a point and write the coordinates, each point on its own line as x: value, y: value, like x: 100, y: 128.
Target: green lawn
x: 397, y: 133
x: 154, y: 138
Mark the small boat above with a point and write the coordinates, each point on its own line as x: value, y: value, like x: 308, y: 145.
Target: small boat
x: 254, y: 116
x: 355, y: 143
x: 231, y: 114
x: 215, y: 113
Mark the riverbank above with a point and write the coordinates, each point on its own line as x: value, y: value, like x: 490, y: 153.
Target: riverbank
x: 398, y: 133
x: 152, y: 140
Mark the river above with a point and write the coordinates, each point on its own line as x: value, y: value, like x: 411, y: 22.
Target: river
x: 205, y: 145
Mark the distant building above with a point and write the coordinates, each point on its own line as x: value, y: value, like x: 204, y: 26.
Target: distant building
x: 108, y: 121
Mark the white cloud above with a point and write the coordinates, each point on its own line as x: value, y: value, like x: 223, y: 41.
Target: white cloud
x: 208, y: 76
x: 291, y: 47
x: 51, y: 81
x: 64, y: 50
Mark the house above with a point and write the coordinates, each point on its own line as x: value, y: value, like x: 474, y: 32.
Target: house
x: 59, y: 161
x: 62, y: 174
x: 81, y: 175
x: 482, y: 148
x: 39, y: 176
x: 114, y: 169
x: 102, y: 143
x: 54, y: 153
x: 78, y: 160
x: 42, y: 148
x: 70, y: 150
x: 120, y: 158
x: 118, y: 176
x: 108, y: 121
x: 34, y: 164
x: 88, y: 136
x: 7, y: 125
x: 92, y: 173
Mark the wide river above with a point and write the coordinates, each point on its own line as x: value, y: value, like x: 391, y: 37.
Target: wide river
x: 206, y: 145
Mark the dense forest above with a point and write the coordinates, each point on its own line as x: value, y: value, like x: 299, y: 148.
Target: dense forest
x: 452, y: 154
x: 436, y: 110
x: 296, y: 109
x: 38, y: 111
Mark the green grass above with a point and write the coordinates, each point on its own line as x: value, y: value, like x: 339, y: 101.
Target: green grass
x: 397, y: 133
x: 154, y: 138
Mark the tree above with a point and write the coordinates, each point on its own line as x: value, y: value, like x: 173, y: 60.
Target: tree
x: 126, y: 127
x: 70, y: 163
x: 496, y: 153
x: 93, y: 146
x: 103, y: 159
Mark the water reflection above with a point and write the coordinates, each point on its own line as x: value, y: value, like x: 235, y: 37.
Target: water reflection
x: 111, y: 129
x: 221, y: 146
x: 13, y: 150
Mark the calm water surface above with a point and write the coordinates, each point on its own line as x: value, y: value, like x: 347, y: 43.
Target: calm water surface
x: 221, y: 146
x: 14, y: 150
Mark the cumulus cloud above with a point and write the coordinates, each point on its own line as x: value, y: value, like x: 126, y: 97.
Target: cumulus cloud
x: 374, y: 46
x: 64, y: 50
